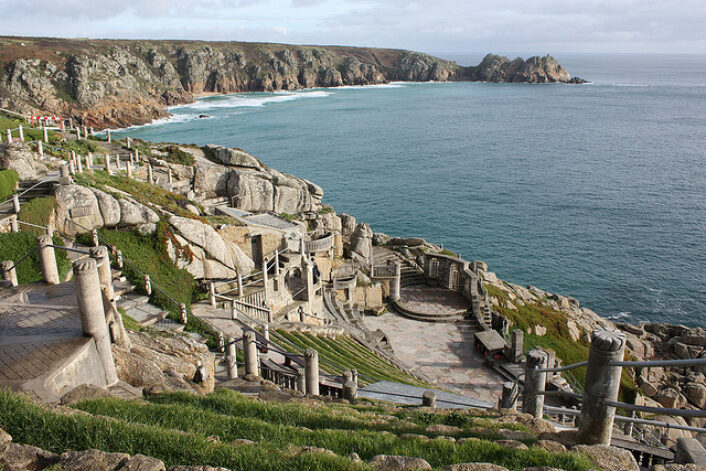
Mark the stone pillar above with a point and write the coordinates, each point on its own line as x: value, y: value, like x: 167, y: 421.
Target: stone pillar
x: 105, y: 274
x: 266, y: 331
x: 9, y: 136
x: 221, y: 342
x: 301, y: 246
x: 128, y: 141
x: 350, y: 390
x: 92, y: 131
x: 14, y: 225
x: 602, y: 384
x: 429, y: 398
x: 40, y: 149
x: 107, y: 164
x: 309, y: 280
x: 128, y: 169
x: 337, y: 245
x: 50, y: 229
x: 508, y: 400
x: 64, y: 172
x: 107, y: 134
x: 233, y: 311
x: 533, y: 397
x: 79, y: 164
x: 551, y: 363
x: 250, y: 353
x: 85, y: 132
x: 94, y: 238
x: 8, y: 272
x: 183, y: 314
x: 150, y: 174
x: 117, y: 162
x: 90, y: 305
x: 72, y: 167
x: 21, y: 133
x: 395, y: 283
x: 231, y: 363
x: 47, y: 260
x: 212, y: 293
x: 89, y: 161
x: 170, y: 176
x: 240, y: 284
x: 148, y: 285
x: 301, y: 380
x: 277, y: 263
x: 311, y: 370
x: 45, y: 135
x: 517, y: 345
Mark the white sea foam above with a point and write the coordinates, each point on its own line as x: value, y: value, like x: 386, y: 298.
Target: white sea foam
x: 248, y: 100
x: 171, y: 119
x: 620, y: 315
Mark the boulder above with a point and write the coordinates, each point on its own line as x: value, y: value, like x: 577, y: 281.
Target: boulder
x: 362, y: 241
x: 79, y: 204
x: 696, y: 337
x: 94, y: 460
x: 109, y: 208
x: 550, y: 445
x: 671, y: 398
x: 83, y: 392
x: 5, y: 438
x: 18, y: 156
x: 475, y: 467
x: 143, y: 463
x: 380, y: 239
x: 398, y: 463
x: 696, y: 393
x: 133, y: 213
x: 211, y: 179
x: 678, y: 467
x: 443, y: 429
x: 347, y: 224
x: 609, y: 458
x: 648, y: 389
x: 233, y: 156
x: 514, y: 444
x: 16, y: 457
x: 407, y: 241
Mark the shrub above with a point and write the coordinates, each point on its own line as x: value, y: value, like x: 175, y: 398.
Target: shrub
x: 8, y: 183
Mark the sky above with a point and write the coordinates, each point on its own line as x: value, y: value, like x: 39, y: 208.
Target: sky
x: 446, y: 27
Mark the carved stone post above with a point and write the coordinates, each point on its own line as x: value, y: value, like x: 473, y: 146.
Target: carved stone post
x: 533, y: 397
x: 8, y: 272
x: 183, y: 314
x: 301, y: 380
x: 107, y: 134
x: 233, y: 311
x: 14, y: 224
x: 45, y: 134
x: 517, y: 345
x: 429, y: 398
x: 148, y: 285
x: 231, y: 363
x: 47, y: 260
x: 90, y: 305
x: 105, y: 274
x: 16, y: 203
x: 40, y: 149
x: 395, y: 283
x: 509, y: 399
x: 311, y: 369
x: 107, y: 165
x: 21, y: 133
x: 9, y: 136
x: 128, y: 169
x: 250, y: 354
x: 212, y: 293
x: 602, y: 384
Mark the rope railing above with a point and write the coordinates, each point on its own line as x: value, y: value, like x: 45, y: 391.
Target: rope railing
x: 661, y: 363
x: 28, y: 189
x: 562, y: 368
x: 25, y: 257
x: 658, y: 410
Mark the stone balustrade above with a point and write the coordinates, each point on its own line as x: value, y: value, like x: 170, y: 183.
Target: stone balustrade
x: 319, y: 245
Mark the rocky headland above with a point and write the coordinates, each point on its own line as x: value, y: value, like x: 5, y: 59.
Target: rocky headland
x: 116, y: 83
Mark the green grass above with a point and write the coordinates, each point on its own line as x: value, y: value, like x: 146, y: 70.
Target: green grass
x: 12, y: 122
x: 148, y: 254
x: 8, y: 184
x: 81, y: 147
x: 342, y: 430
x: 347, y: 354
x: 177, y: 156
x: 448, y: 252
x: 14, y: 246
x: 143, y: 192
x: 28, y: 423
x: 37, y: 211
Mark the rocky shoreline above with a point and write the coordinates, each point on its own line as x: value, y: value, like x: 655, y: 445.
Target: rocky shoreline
x: 111, y: 83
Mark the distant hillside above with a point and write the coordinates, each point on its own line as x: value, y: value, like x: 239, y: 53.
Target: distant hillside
x: 121, y: 82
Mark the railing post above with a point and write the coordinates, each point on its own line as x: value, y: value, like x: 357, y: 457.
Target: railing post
x: 240, y: 285
x: 21, y: 133
x: 85, y: 132
x: 517, y: 345
x: 64, y: 172
x: 350, y: 388
x: 311, y: 370
x: 233, y: 311
x: 301, y: 380
x: 602, y: 384
x: 9, y: 136
x: 107, y: 164
x: 47, y: 260
x: 170, y: 177
x: 90, y: 305
x: 221, y: 342
x: 128, y: 141
x: 107, y: 134
x: 14, y: 225
x: 396, y: 282
x: 250, y: 353
x: 266, y: 331
x: 231, y: 362
x: 148, y: 285
x: 45, y: 133
x: 105, y: 274
x: 40, y: 149
x: 212, y: 293
x: 119, y: 259
x: 150, y: 175
x: 265, y: 280
x: 128, y: 169
x: 94, y: 238
x: 16, y: 203
x: 429, y: 398
x: 8, y: 272
x: 183, y: 314
x: 509, y: 399
x: 533, y: 397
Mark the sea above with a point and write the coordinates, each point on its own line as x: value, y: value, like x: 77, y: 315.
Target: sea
x: 595, y: 191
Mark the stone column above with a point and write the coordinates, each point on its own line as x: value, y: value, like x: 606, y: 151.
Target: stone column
x: 107, y: 164
x: 212, y: 293
x: 105, y: 274
x: 309, y: 280
x: 240, y: 284
x: 265, y: 280
x: 45, y: 135
x: 72, y: 167
x: 150, y: 174
x: 14, y: 225
x: 90, y: 305
x: 183, y: 314
x: 551, y: 360
x: 350, y: 390
x: 94, y: 238
x: 85, y: 132
x: 250, y: 353
x: 277, y: 263
x: 301, y: 381
x: 79, y: 164
x: 47, y: 260
x: 517, y: 346
x: 231, y: 363
x: 117, y: 162
x: 233, y: 311
x: 508, y: 400
x: 266, y: 331
x: 429, y: 398
x: 602, y: 384
x: 533, y: 399
x: 40, y: 149
x: 21, y: 133
x: 170, y: 177
x: 311, y: 369
x: 16, y: 203
x: 395, y: 283
x: 107, y: 134
x: 337, y: 245
x: 128, y: 168
x: 9, y: 136
x: 8, y: 272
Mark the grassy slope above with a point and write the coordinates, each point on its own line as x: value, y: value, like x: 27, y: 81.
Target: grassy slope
x: 176, y: 429
x: 13, y: 246
x: 8, y: 183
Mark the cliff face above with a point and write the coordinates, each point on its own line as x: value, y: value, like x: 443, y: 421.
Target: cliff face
x: 118, y: 83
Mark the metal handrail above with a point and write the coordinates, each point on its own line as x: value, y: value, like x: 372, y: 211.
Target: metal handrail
x: 23, y: 259
x: 662, y: 363
x: 657, y: 410
x: 562, y: 368
x: 28, y: 189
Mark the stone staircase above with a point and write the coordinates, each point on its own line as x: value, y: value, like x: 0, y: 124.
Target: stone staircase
x: 138, y: 307
x: 43, y: 189
x: 411, y: 277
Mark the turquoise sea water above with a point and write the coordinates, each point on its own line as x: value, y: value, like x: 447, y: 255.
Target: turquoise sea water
x: 595, y: 191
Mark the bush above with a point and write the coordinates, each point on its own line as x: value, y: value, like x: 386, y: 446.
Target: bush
x: 8, y: 183
x: 15, y: 245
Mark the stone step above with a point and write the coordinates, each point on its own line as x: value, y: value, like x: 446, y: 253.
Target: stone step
x: 168, y: 325
x: 132, y: 300
x: 147, y: 314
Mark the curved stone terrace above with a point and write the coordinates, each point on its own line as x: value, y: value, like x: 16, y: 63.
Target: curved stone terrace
x: 426, y: 303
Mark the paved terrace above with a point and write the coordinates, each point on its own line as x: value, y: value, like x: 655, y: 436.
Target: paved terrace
x: 432, y: 300
x: 443, y: 352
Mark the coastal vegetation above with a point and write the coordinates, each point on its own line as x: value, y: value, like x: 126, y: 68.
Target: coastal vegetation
x: 37, y: 211
x: 8, y: 183
x: 15, y: 245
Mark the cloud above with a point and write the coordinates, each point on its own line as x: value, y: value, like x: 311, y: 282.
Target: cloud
x: 441, y: 26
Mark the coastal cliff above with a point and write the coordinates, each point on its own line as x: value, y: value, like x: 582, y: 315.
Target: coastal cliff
x: 112, y: 83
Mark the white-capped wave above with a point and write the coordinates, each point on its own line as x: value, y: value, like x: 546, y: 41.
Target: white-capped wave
x: 620, y: 315
x: 250, y: 100
x: 171, y: 119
